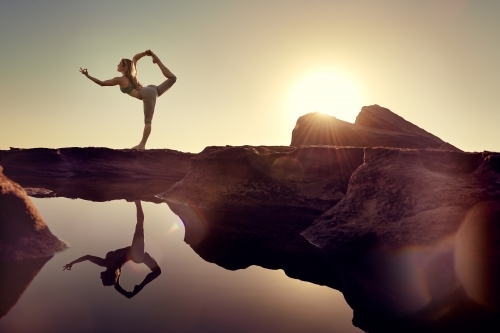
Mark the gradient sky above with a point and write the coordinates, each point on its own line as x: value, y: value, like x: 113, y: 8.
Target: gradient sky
x: 433, y: 62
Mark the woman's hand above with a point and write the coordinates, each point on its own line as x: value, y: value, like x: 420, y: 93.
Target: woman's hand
x: 152, y: 55
x: 84, y: 71
x: 67, y: 267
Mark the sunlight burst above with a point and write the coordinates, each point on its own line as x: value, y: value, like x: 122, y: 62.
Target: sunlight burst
x: 326, y: 92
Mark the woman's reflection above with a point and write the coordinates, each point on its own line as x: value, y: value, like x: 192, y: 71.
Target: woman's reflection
x: 115, y: 260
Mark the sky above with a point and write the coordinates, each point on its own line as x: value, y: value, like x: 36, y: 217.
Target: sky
x: 245, y: 69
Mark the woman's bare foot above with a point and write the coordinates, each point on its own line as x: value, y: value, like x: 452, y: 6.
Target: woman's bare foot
x: 139, y: 147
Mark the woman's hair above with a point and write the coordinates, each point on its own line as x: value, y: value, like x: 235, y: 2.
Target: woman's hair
x: 130, y: 73
x: 109, y: 277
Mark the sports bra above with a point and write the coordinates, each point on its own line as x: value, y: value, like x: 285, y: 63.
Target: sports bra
x: 127, y: 90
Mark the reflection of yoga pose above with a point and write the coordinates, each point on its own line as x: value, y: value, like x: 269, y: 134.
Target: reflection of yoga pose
x: 115, y: 260
x: 130, y: 85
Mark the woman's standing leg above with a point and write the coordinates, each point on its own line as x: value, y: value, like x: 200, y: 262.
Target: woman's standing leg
x: 137, y: 248
x: 149, y: 100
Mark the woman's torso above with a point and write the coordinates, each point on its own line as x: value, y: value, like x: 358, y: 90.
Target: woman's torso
x: 125, y: 88
x: 116, y: 259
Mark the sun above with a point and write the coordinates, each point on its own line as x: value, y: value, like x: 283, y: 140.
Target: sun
x: 326, y: 92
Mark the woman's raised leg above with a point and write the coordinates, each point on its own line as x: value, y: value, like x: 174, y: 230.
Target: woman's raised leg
x: 171, y: 78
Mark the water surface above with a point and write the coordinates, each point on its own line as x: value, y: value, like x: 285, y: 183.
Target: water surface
x: 191, y: 295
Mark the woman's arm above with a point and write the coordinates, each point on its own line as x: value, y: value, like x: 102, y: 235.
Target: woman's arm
x: 112, y: 82
x: 122, y: 291
x: 138, y: 56
x: 92, y: 259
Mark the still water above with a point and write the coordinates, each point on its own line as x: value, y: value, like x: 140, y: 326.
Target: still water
x: 191, y: 295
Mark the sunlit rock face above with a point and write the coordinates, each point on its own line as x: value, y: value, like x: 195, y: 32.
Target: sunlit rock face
x: 305, y: 180
x: 97, y: 174
x: 375, y: 126
x: 23, y: 233
x: 397, y: 229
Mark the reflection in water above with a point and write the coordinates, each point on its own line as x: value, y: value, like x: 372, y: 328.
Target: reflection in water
x: 414, y: 289
x: 237, y: 240
x: 15, y: 277
x: 115, y: 260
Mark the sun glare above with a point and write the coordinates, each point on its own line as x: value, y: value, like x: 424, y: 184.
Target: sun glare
x: 326, y: 92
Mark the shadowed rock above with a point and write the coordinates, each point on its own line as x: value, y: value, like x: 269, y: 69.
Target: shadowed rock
x: 95, y: 162
x: 23, y: 233
x: 306, y: 180
x: 406, y: 197
x: 97, y: 174
x: 375, y: 126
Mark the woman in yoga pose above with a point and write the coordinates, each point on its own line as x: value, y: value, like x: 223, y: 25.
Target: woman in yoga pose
x: 115, y: 260
x: 130, y: 85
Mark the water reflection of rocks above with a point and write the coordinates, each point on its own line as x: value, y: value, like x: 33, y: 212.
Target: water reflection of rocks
x: 115, y: 260
x: 15, y: 278
x: 415, y: 289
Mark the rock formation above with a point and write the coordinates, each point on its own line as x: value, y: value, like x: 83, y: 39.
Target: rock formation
x: 375, y: 126
x: 407, y: 197
x: 306, y: 180
x: 97, y: 174
x: 23, y: 233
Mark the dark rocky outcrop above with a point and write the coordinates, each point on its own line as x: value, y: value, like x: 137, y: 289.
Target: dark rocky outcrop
x: 406, y: 197
x: 23, y: 233
x: 97, y: 174
x: 302, y: 181
x: 375, y: 126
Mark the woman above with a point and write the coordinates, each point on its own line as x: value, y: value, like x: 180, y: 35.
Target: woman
x: 130, y: 85
x: 115, y: 260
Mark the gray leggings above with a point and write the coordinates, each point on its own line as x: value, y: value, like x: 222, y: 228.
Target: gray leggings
x: 149, y: 94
